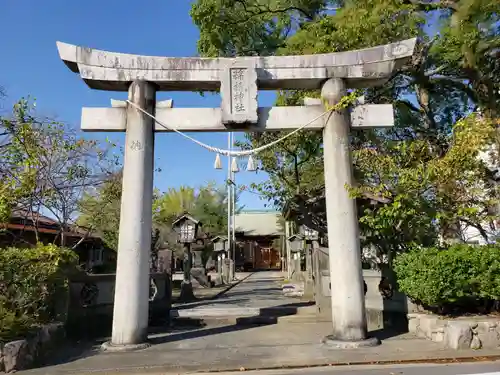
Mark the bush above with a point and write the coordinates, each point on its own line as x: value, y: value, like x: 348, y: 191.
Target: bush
x: 33, y: 285
x: 461, y: 278
x: 12, y: 326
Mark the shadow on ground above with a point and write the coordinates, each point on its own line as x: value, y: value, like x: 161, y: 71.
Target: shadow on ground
x: 191, y: 305
x: 87, y: 345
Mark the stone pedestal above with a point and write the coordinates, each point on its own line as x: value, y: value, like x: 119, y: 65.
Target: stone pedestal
x: 131, y: 302
x: 200, y: 275
x: 197, y: 259
x: 308, y: 282
x: 219, y: 270
x: 348, y: 302
x: 295, y: 267
x: 198, y: 271
x: 186, y: 285
x: 187, y: 294
x: 227, y: 270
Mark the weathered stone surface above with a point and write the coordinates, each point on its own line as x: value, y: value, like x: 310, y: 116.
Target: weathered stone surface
x: 115, y: 71
x: 293, y: 289
x: 413, y: 324
x: 1, y: 357
x: 458, y: 335
x: 23, y: 354
x: 438, y: 335
x: 475, y: 343
x: 427, y: 326
x: 211, y: 119
x: 239, y: 93
x: 15, y: 355
x: 488, y: 334
x: 200, y: 275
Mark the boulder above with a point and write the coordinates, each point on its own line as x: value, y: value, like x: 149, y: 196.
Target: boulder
x: 458, y: 335
x: 15, y: 356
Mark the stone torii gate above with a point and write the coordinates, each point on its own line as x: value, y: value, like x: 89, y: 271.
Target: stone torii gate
x: 238, y: 80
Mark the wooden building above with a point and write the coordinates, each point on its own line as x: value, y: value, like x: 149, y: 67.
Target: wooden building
x: 25, y: 230
x: 259, y: 240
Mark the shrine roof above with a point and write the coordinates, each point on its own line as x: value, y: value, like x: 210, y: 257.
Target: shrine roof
x: 259, y: 223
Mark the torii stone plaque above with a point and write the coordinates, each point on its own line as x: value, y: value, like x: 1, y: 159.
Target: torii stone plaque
x: 238, y: 79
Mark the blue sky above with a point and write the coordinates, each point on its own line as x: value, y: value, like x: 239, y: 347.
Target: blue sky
x: 30, y: 65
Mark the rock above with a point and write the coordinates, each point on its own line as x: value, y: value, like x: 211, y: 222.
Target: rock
x: 462, y: 333
x: 14, y: 355
x: 458, y: 335
x: 438, y: 335
x: 488, y: 335
x: 293, y: 290
x: 200, y: 275
x: 429, y: 324
x: 1, y: 358
x: 475, y: 343
x: 413, y: 324
x: 22, y: 354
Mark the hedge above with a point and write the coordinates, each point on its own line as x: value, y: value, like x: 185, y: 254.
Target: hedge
x: 33, y: 286
x: 460, y: 278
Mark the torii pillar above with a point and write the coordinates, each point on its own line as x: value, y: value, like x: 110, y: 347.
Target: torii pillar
x: 239, y: 80
x: 346, y: 274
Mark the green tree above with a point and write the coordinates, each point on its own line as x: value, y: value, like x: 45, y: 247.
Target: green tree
x: 100, y: 210
x: 424, y: 176
x: 173, y: 203
x: 45, y: 168
x: 207, y: 204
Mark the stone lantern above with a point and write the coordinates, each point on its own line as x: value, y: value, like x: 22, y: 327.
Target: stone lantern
x: 220, y: 244
x: 296, y: 243
x: 187, y: 228
x: 309, y: 234
x: 220, y: 247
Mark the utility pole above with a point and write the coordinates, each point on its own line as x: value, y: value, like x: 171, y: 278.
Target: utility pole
x: 229, y: 202
x: 288, y: 252
x: 233, y: 212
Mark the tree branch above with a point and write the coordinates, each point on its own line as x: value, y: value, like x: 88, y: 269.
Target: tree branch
x: 265, y: 10
x: 430, y: 6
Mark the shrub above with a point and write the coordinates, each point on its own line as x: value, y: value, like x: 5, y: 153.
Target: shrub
x: 12, y: 326
x: 33, y: 285
x: 457, y: 279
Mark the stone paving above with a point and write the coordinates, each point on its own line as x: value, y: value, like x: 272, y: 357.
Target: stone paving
x: 235, y: 347
x: 258, y: 292
x: 201, y: 292
x: 228, y: 348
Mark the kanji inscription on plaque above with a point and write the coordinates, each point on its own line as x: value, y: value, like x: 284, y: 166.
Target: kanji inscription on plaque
x: 239, y: 94
x: 238, y: 90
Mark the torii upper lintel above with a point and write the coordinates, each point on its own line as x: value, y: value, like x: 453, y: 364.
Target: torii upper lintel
x: 116, y: 71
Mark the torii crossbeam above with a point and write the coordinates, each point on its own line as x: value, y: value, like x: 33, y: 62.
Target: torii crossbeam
x: 238, y: 80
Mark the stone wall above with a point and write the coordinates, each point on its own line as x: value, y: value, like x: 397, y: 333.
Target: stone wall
x: 386, y: 307
x: 34, y: 349
x: 92, y: 296
x: 90, y: 313
x: 461, y: 333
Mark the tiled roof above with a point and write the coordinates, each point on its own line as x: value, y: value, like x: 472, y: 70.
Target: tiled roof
x: 22, y: 220
x: 259, y: 223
